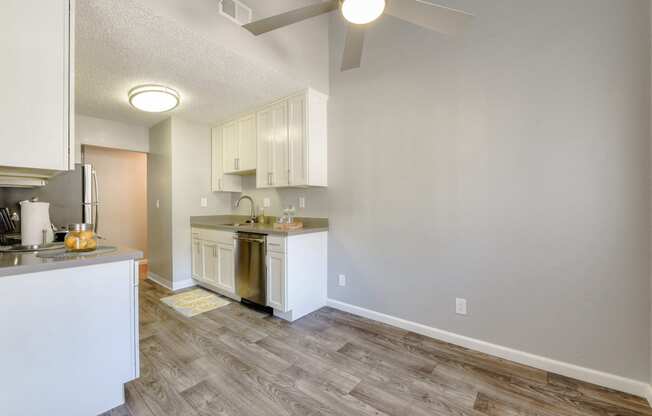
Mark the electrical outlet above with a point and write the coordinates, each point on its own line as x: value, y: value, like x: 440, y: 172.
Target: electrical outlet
x: 460, y: 306
x: 266, y: 203
x: 342, y: 280
x: 302, y: 202
x: 204, y: 202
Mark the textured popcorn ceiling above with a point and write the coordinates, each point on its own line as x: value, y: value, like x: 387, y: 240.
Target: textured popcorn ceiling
x: 218, y: 68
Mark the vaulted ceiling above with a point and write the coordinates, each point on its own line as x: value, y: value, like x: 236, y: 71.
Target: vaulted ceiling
x: 218, y: 68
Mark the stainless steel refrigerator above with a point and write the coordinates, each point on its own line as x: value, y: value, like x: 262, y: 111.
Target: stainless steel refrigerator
x: 73, y: 197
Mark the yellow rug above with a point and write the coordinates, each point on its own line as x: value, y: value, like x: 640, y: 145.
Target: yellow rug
x: 194, y: 302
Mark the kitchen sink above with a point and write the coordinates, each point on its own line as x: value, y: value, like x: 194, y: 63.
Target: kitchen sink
x: 244, y: 224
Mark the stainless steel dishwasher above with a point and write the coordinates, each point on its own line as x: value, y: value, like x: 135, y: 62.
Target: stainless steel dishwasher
x: 250, y: 270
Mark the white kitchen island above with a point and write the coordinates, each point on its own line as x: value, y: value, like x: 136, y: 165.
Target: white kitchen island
x: 69, y: 332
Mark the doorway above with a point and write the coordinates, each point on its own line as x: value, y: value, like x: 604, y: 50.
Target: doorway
x: 122, y: 184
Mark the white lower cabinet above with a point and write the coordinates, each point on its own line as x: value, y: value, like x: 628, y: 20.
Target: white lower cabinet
x: 296, y: 274
x: 226, y: 267
x: 295, y: 266
x: 213, y: 261
x: 276, y: 281
x: 197, y: 261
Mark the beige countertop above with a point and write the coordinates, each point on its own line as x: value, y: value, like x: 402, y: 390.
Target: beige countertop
x: 21, y: 263
x: 225, y: 222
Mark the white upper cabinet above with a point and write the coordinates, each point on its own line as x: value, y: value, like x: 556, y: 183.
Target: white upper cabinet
x: 247, y: 143
x: 308, y: 139
x: 230, y: 147
x: 36, y: 110
x: 284, y: 143
x: 220, y: 181
x: 239, y: 145
x: 292, y: 142
x: 272, y: 146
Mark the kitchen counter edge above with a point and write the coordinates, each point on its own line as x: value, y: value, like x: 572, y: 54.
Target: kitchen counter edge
x: 312, y: 225
x: 12, y: 264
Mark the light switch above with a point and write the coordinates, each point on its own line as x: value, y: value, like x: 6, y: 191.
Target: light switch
x: 158, y: 204
x: 204, y: 202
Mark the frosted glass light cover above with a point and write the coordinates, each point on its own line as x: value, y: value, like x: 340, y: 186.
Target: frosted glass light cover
x: 361, y: 12
x: 153, y: 98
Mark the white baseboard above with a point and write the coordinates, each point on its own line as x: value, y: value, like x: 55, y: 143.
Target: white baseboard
x: 158, y: 280
x: 612, y: 381
x: 183, y: 284
x: 175, y: 285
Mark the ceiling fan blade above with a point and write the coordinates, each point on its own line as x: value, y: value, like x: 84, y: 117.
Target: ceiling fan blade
x: 285, y: 19
x: 353, y: 47
x: 430, y: 16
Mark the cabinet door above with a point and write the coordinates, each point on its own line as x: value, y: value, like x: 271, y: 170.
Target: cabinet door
x: 265, y: 141
x: 276, y: 281
x: 210, y: 256
x: 35, y: 110
x: 197, y: 261
x: 280, y: 148
x: 247, y: 143
x: 222, y: 182
x: 230, y: 147
x: 226, y: 267
x: 216, y: 160
x: 272, y: 164
x: 297, y: 139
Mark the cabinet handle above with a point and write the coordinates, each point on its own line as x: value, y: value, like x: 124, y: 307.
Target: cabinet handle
x: 289, y: 176
x: 236, y: 163
x: 219, y: 184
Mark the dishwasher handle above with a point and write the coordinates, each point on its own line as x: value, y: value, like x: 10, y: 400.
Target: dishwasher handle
x: 253, y: 240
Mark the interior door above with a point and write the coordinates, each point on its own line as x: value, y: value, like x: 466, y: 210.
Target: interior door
x: 210, y: 256
x: 229, y: 147
x: 297, y: 140
x: 226, y: 267
x: 247, y: 143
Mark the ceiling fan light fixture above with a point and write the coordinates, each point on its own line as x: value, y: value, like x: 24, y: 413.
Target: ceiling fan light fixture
x: 153, y: 98
x: 361, y: 12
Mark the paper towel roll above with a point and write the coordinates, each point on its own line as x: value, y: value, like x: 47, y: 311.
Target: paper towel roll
x: 34, y: 218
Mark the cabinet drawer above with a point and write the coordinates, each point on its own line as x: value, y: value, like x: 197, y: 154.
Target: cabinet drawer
x: 276, y: 244
x: 218, y: 236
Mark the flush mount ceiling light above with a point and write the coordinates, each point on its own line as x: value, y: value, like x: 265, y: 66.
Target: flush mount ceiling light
x: 361, y: 12
x: 153, y: 98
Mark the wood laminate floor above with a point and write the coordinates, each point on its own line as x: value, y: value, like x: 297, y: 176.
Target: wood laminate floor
x: 236, y: 361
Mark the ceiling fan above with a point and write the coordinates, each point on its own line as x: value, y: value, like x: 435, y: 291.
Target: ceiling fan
x: 361, y: 12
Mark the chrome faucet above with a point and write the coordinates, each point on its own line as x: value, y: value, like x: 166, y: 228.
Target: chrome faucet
x: 252, y: 218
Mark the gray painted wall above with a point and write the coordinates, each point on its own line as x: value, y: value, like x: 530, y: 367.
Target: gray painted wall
x: 159, y: 185
x: 191, y: 181
x: 107, y: 133
x: 281, y: 198
x: 509, y: 166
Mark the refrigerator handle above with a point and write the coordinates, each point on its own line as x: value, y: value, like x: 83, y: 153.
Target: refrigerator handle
x: 96, y: 201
